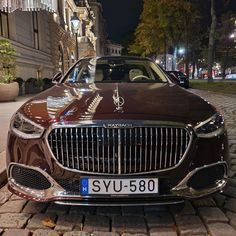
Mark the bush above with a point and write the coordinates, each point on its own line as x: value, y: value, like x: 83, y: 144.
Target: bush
x: 21, y: 84
x: 7, y: 62
x: 47, y: 83
x: 33, y: 85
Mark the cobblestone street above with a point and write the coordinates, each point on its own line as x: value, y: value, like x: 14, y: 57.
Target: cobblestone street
x: 215, y: 216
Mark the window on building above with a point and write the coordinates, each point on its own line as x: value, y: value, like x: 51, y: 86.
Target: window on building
x: 4, y: 25
x: 35, y: 29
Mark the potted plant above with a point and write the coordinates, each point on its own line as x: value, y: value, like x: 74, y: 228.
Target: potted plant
x: 8, y: 88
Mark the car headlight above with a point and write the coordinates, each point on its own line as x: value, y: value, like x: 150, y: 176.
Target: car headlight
x: 211, y: 127
x: 26, y: 128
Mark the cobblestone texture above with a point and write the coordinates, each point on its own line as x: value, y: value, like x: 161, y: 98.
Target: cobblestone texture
x: 219, y: 229
x: 96, y: 223
x: 214, y: 216
x: 16, y: 232
x: 13, y: 220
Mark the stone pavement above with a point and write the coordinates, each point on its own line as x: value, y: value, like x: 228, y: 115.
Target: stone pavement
x: 212, y: 216
x: 19, y: 217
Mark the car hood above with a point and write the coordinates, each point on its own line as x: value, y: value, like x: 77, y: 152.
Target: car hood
x: 116, y: 101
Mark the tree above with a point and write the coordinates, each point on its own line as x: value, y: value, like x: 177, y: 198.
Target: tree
x: 164, y: 24
x: 225, y: 50
x: 127, y: 40
x: 212, y: 38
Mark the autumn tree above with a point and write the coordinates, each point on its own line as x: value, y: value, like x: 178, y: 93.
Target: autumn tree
x: 164, y: 24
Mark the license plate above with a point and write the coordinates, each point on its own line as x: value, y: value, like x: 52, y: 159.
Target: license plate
x: 96, y: 186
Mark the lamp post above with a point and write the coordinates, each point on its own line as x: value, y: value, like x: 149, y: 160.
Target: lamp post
x: 75, y: 27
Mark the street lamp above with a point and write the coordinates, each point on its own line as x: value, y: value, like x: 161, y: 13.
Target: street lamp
x: 181, y: 51
x: 232, y: 36
x: 75, y: 22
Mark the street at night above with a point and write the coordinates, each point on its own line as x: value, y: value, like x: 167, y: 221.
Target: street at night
x: 117, y: 118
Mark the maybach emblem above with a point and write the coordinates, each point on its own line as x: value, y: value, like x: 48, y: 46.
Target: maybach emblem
x: 118, y: 125
x: 118, y: 100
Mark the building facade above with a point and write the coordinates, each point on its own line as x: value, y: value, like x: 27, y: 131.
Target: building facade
x: 112, y: 49
x: 44, y: 41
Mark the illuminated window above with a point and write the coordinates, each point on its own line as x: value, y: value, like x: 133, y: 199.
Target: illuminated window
x: 4, y: 25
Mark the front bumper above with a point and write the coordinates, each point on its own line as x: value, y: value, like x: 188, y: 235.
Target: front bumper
x: 56, y: 192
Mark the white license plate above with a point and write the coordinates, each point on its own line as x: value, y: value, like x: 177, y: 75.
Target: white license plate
x: 118, y: 186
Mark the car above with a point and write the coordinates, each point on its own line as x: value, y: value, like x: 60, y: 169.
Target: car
x: 230, y: 76
x: 179, y: 78
x: 116, y: 131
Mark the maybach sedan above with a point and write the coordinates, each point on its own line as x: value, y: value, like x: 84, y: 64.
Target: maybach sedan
x: 116, y: 131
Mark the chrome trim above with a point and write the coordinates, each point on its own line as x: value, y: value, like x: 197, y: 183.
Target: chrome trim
x: 183, y: 190
x: 119, y: 151
x: 35, y: 194
x: 135, y: 203
x: 60, y: 195
x: 56, y: 192
x: 136, y: 124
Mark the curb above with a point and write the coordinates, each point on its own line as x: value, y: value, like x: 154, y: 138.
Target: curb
x: 3, y: 178
x: 3, y: 172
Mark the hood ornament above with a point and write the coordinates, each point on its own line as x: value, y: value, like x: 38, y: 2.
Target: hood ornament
x: 118, y: 100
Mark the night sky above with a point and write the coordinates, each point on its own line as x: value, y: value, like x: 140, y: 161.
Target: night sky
x: 122, y: 16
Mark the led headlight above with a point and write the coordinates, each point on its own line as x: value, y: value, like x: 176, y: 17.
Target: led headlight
x: 26, y: 128
x: 211, y: 127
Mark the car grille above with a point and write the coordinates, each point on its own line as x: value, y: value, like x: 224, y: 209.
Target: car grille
x: 101, y: 150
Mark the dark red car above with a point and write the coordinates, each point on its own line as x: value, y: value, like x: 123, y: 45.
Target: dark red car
x: 115, y: 130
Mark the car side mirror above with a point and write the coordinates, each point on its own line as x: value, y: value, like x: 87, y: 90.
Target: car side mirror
x: 56, y: 78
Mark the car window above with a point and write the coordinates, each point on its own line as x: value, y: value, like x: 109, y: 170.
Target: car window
x: 118, y: 70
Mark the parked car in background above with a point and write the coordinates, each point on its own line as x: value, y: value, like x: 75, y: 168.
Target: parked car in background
x: 179, y: 78
x: 116, y: 131
x: 230, y: 76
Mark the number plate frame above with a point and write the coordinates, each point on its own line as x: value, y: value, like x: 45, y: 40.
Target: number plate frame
x: 122, y: 186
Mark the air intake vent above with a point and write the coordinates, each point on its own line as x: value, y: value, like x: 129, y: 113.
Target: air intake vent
x: 29, y: 178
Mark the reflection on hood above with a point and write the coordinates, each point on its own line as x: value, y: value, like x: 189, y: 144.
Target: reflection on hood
x: 54, y: 104
x: 88, y: 115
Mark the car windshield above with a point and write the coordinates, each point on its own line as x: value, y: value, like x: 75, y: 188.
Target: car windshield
x: 115, y: 70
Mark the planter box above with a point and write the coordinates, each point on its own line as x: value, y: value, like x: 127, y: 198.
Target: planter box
x: 9, y: 92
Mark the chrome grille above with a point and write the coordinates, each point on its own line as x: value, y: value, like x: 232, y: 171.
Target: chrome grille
x: 103, y: 150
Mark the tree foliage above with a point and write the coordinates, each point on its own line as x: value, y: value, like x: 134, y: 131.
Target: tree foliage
x: 163, y: 22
